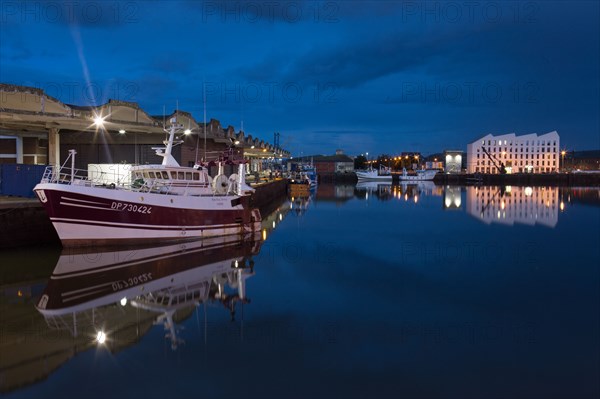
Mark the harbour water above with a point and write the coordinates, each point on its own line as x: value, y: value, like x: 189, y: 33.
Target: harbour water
x: 373, y: 290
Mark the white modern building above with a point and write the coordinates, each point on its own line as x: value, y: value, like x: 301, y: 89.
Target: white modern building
x: 529, y: 153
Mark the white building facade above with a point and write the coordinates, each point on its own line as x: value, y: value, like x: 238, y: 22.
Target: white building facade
x: 529, y: 153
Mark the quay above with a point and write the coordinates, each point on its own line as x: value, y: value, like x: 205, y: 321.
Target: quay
x: 521, y: 179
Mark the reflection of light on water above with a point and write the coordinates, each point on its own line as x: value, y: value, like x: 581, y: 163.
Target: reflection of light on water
x: 416, y: 199
x: 528, y: 191
x: 101, y: 337
x: 457, y: 202
x: 448, y: 202
x: 264, y: 234
x: 562, y: 206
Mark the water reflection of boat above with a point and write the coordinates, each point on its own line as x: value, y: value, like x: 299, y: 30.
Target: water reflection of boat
x: 160, y: 280
x: 381, y: 190
x: 372, y: 185
x: 299, y: 205
x: 427, y: 186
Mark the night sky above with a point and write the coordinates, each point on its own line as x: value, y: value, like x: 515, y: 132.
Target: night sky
x: 377, y: 77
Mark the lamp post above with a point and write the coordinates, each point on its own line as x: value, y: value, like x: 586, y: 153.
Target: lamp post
x: 563, y: 153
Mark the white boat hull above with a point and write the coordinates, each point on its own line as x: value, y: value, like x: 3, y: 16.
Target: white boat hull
x: 87, y: 215
x: 424, y: 175
x: 373, y: 176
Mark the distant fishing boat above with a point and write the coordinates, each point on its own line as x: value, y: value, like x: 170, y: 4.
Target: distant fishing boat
x: 419, y: 175
x: 383, y: 174
x: 164, y: 202
x: 300, y: 185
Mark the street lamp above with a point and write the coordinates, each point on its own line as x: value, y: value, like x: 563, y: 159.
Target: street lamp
x: 563, y: 153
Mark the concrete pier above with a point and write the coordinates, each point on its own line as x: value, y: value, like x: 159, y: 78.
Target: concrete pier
x: 521, y: 179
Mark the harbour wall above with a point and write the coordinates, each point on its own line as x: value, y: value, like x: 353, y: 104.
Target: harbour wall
x: 521, y: 179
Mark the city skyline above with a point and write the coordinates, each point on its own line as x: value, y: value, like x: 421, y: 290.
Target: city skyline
x: 377, y: 77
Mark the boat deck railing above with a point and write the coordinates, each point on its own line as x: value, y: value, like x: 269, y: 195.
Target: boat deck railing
x: 79, y: 177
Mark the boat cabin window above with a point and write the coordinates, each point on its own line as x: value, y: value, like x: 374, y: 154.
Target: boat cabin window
x: 180, y: 176
x: 188, y: 175
x: 165, y: 175
x: 152, y: 176
x: 173, y: 175
x: 196, y: 176
x: 146, y: 175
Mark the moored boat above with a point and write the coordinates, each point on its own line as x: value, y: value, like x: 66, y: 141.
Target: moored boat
x: 300, y: 185
x: 164, y: 202
x: 419, y: 175
x: 383, y: 174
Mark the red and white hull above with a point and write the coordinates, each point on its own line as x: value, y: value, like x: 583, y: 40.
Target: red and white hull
x: 86, y: 215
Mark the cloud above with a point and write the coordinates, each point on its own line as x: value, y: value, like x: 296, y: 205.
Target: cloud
x: 84, y: 13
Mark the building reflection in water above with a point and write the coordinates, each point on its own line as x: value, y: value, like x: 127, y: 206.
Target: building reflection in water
x: 452, y: 197
x: 509, y: 205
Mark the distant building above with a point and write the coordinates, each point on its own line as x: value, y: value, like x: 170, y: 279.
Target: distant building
x: 329, y: 164
x: 36, y: 128
x: 453, y: 161
x: 582, y: 160
x: 529, y: 153
x: 410, y: 160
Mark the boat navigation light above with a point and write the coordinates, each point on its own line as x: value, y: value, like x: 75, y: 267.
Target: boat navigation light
x: 122, y: 131
x: 123, y: 301
x: 101, y: 337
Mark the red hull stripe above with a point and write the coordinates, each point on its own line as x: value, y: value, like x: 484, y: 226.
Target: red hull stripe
x: 144, y: 226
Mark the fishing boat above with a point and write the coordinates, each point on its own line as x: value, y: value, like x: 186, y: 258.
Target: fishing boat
x: 163, y: 202
x: 299, y: 185
x: 419, y: 175
x: 383, y: 174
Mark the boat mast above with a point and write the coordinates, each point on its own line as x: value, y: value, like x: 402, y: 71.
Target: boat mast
x: 204, y: 101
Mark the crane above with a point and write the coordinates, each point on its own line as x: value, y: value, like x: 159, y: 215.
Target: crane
x: 501, y: 168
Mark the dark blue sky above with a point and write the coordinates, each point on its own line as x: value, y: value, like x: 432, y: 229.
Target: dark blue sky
x: 377, y: 77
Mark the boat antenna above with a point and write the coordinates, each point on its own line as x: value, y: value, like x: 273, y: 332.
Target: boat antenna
x: 204, y: 101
